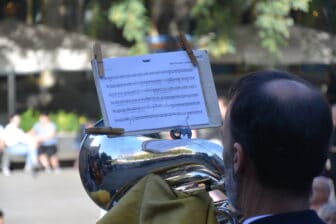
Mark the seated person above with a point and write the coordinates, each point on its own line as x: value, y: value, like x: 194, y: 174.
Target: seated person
x: 328, y: 213
x: 2, y: 141
x: 320, y: 192
x: 80, y: 136
x: 44, y: 132
x: 214, y: 134
x: 1, y: 217
x: 18, y: 143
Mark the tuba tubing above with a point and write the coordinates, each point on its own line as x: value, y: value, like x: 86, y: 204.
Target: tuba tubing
x: 110, y: 166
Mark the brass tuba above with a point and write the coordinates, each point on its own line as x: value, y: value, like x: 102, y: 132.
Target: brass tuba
x: 110, y: 166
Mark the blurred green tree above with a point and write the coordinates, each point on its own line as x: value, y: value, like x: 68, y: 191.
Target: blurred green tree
x: 139, y: 18
x: 274, y: 19
x: 132, y: 17
x: 211, y: 22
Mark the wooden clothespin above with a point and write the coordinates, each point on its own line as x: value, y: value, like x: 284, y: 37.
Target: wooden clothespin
x: 105, y: 131
x: 97, y: 54
x: 187, y: 47
x: 109, y: 131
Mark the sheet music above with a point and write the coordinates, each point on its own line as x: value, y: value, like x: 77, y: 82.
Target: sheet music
x: 152, y: 92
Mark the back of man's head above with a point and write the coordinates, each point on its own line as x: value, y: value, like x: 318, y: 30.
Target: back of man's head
x: 284, y: 126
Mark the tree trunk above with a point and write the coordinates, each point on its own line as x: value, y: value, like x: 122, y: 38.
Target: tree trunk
x: 53, y: 12
x: 66, y: 14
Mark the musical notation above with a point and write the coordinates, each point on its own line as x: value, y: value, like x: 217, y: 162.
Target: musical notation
x: 160, y: 93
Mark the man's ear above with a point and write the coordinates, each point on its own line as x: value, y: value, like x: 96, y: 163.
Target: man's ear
x: 238, y: 158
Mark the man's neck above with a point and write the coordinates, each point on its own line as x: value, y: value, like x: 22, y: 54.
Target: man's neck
x: 256, y: 200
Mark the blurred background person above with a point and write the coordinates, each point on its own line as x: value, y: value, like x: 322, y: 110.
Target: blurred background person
x: 2, y: 141
x: 328, y: 213
x: 214, y: 134
x: 79, y: 137
x: 18, y: 143
x: 321, y: 189
x: 44, y: 132
x: 332, y: 153
x: 1, y: 217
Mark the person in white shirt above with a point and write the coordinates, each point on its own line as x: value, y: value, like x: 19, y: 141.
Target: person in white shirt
x: 44, y: 132
x: 321, y: 191
x: 2, y: 141
x: 17, y: 142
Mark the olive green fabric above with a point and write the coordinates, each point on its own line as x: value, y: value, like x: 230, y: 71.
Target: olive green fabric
x: 152, y: 201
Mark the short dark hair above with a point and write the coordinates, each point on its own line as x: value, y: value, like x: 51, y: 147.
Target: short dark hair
x: 287, y: 140
x: 44, y: 113
x: 11, y: 115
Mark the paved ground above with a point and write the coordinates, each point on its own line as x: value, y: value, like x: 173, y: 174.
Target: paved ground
x: 46, y: 198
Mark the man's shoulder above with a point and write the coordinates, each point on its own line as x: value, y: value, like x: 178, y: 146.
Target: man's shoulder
x: 306, y: 216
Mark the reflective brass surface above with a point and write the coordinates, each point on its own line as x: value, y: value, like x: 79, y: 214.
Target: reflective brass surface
x: 110, y: 166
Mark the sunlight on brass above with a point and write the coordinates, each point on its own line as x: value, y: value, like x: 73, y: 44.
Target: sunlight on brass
x: 110, y: 166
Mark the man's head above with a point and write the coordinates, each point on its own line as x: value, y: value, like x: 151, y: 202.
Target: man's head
x: 15, y: 119
x: 44, y: 117
x: 276, y: 131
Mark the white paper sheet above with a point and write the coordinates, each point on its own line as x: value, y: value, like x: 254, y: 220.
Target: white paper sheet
x: 154, y: 91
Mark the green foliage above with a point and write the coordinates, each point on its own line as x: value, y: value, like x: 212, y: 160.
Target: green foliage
x: 302, y: 5
x: 131, y: 16
x: 219, y: 19
x: 29, y: 118
x: 215, y: 20
x: 97, y: 22
x: 273, y: 21
x: 65, y: 121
